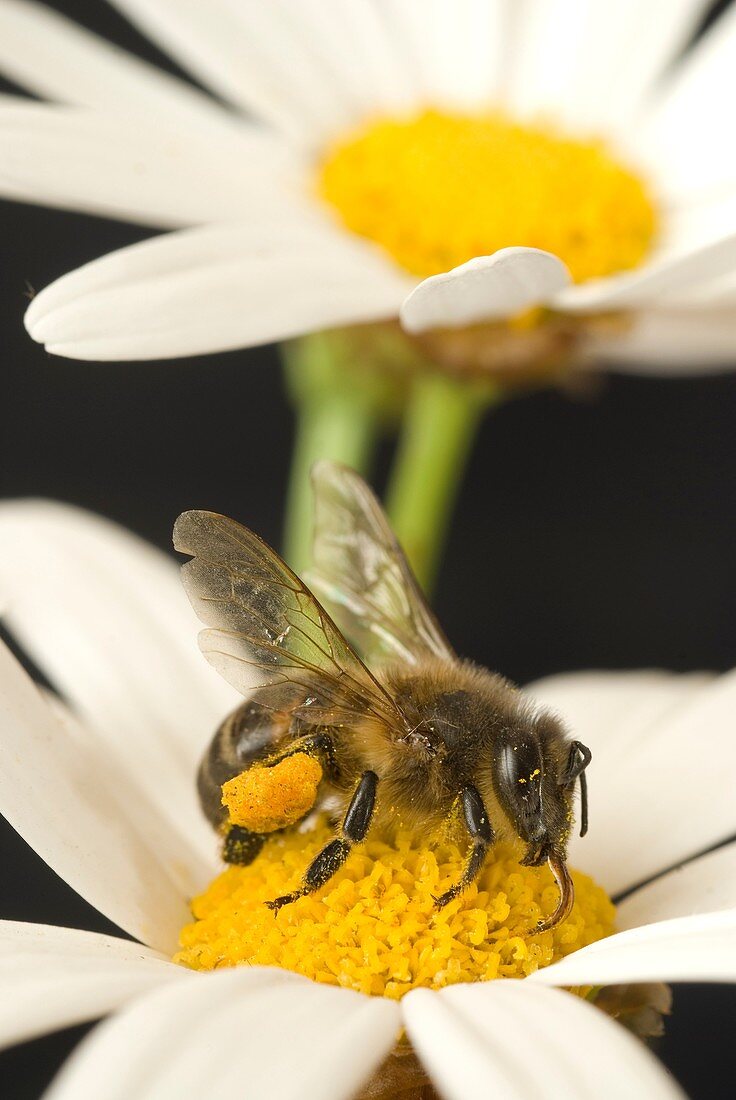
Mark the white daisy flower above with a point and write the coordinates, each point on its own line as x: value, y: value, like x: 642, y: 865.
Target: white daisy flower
x: 100, y: 784
x: 360, y: 160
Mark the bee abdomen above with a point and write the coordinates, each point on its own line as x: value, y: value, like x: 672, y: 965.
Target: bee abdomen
x: 248, y: 734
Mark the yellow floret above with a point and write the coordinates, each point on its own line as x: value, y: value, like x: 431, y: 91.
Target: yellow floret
x: 438, y: 189
x: 265, y: 799
x: 374, y: 927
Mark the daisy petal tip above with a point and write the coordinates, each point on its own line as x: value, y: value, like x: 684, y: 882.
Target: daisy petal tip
x: 29, y: 318
x: 39, y: 322
x: 486, y: 288
x: 34, y: 317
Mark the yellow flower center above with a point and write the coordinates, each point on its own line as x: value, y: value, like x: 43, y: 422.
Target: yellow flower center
x: 438, y: 189
x: 375, y: 928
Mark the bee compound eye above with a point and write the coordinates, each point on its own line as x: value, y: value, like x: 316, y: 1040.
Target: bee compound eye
x: 518, y: 775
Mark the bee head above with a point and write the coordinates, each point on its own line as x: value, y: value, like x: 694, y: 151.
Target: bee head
x: 534, y: 772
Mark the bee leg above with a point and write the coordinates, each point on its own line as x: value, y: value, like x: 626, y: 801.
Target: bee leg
x: 482, y: 836
x: 241, y: 845
x: 355, y: 826
x: 318, y: 745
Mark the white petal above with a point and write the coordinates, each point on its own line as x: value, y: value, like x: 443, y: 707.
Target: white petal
x: 705, y: 885
x: 359, y: 40
x: 254, y: 1032
x: 216, y: 288
x: 87, y: 819
x: 53, y: 57
x: 671, y: 342
x: 610, y: 711
x: 518, y: 1040
x: 683, y: 759
x: 568, y: 55
x: 646, y: 44
x: 713, y: 300
x: 689, y: 949
x: 552, y: 40
x: 665, y: 274
x: 104, y: 616
x: 252, y: 54
x: 685, y: 138
x: 127, y: 168
x: 410, y: 28
x: 487, y: 288
x: 345, y: 50
x: 57, y: 977
x: 457, y: 48
x: 689, y: 223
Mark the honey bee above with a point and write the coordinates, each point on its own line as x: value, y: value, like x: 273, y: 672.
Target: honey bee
x: 407, y: 734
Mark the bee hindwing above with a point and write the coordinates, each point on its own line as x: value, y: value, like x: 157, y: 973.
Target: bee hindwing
x: 363, y: 577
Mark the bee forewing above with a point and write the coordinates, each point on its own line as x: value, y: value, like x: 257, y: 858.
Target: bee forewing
x: 266, y: 626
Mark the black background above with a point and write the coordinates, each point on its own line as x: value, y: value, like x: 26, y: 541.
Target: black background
x: 597, y: 531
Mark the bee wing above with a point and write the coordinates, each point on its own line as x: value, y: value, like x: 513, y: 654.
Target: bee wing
x: 363, y: 577
x: 267, y: 629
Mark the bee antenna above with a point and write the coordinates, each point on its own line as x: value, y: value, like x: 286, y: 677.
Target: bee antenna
x: 583, y: 803
x: 580, y: 757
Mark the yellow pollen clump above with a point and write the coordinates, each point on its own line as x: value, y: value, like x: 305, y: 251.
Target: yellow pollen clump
x: 438, y: 189
x: 374, y: 927
x: 265, y: 799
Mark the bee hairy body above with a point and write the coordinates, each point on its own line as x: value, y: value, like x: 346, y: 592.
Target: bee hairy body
x: 407, y: 734
x: 460, y: 717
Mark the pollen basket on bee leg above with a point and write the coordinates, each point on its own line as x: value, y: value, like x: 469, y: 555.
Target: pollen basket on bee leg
x: 265, y: 799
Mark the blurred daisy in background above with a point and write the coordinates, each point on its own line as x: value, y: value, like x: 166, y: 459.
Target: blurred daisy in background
x: 117, y: 818
x: 462, y: 188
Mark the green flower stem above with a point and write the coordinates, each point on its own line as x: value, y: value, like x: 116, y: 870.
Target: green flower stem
x: 339, y: 413
x: 335, y: 428
x: 437, y: 436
